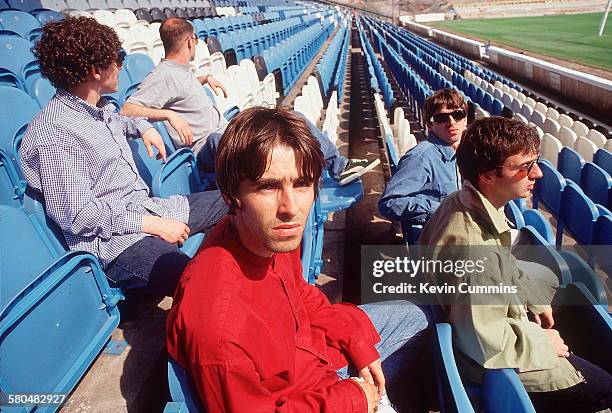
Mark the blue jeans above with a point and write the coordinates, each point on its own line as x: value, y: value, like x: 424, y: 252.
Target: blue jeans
x: 405, y: 350
x: 155, y: 265
x: 334, y: 162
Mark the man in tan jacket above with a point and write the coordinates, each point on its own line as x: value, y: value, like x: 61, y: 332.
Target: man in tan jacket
x: 501, y: 318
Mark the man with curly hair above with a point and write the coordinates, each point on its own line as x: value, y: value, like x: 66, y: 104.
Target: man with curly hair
x: 75, y: 153
x: 173, y: 94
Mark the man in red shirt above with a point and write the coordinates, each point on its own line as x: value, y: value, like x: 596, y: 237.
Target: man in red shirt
x: 252, y: 334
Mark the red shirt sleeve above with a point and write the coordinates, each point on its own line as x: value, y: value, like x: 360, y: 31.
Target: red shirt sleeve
x: 234, y: 386
x: 347, y: 328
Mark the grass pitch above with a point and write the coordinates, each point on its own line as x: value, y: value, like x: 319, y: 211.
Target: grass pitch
x: 567, y: 37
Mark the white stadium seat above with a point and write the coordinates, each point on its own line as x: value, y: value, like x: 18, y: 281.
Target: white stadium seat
x: 550, y: 148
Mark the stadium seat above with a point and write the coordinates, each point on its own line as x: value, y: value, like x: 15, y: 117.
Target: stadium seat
x: 451, y: 392
x: 567, y: 136
x: 55, y: 5
x: 582, y: 273
x: 45, y: 16
x: 18, y: 65
x: 20, y: 23
x: 182, y: 391
x: 137, y: 66
x: 548, y: 188
x: 570, y: 164
x: 565, y: 120
x: 16, y: 110
x: 578, y: 215
x: 551, y: 126
x: 596, y: 184
x: 597, y: 138
x: 603, y: 159
x: 105, y: 17
x: 550, y: 148
x: 51, y: 305
x: 41, y: 91
x: 580, y: 128
x: 585, y: 148
x: 11, y: 185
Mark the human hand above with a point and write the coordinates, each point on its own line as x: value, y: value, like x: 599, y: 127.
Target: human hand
x: 560, y: 347
x: 181, y: 126
x: 544, y: 319
x: 371, y: 395
x: 373, y: 374
x: 214, y: 84
x: 168, y: 229
x: 152, y: 138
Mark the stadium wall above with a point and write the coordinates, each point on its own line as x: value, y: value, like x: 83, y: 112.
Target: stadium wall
x: 592, y: 91
x: 469, y: 47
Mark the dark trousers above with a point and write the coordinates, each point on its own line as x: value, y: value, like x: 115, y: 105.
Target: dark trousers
x: 154, y: 265
x: 592, y: 395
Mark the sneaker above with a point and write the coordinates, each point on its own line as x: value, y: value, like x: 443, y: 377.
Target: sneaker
x: 355, y: 168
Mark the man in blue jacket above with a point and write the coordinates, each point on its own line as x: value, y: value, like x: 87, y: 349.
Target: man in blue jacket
x: 428, y: 172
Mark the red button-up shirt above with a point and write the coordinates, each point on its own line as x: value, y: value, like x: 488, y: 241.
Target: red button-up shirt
x: 255, y: 337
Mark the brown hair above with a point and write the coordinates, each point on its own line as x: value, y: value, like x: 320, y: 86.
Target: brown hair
x: 248, y: 140
x: 172, y: 33
x: 488, y: 142
x: 448, y: 98
x: 69, y: 48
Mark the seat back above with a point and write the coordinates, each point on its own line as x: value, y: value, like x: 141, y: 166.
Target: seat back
x: 578, y: 215
x: 21, y: 23
x: 549, y: 187
x: 503, y: 391
x: 570, y: 164
x: 51, y: 306
x: 451, y: 394
x: 11, y: 192
x: 16, y: 110
x: 585, y: 148
x: 41, y: 91
x: 15, y: 55
x: 603, y: 159
x: 596, y: 184
x: 550, y: 148
x: 138, y: 66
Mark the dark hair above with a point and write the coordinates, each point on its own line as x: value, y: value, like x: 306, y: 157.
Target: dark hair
x: 69, y: 48
x: 449, y: 98
x: 488, y: 142
x: 172, y: 32
x: 248, y: 140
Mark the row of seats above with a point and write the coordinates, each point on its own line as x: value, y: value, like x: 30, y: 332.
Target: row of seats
x: 67, y: 5
x: 76, y: 278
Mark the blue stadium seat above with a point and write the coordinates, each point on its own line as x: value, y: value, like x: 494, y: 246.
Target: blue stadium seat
x: 582, y: 273
x: 16, y: 110
x: 503, y: 392
x: 137, y: 66
x: 570, y: 164
x: 182, y: 391
x: 11, y: 186
x: 335, y: 197
x: 514, y: 214
x: 585, y: 325
x: 603, y: 159
x: 537, y: 220
x: 451, y: 393
x: 177, y: 176
x: 45, y: 16
x: 17, y: 63
x: 21, y: 23
x: 549, y: 188
x: 596, y: 184
x: 602, y: 239
x: 578, y: 215
x: 51, y: 306
x: 41, y: 91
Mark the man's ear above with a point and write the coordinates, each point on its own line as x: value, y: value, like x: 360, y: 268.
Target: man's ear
x: 488, y: 177
x: 95, y: 73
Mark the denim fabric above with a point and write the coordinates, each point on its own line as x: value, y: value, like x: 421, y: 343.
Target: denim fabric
x: 425, y: 176
x: 334, y: 162
x: 594, y: 394
x: 156, y: 265
x: 405, y: 351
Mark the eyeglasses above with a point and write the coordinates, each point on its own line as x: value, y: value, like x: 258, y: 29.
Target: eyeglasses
x: 444, y: 117
x: 528, y: 167
x: 121, y: 54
